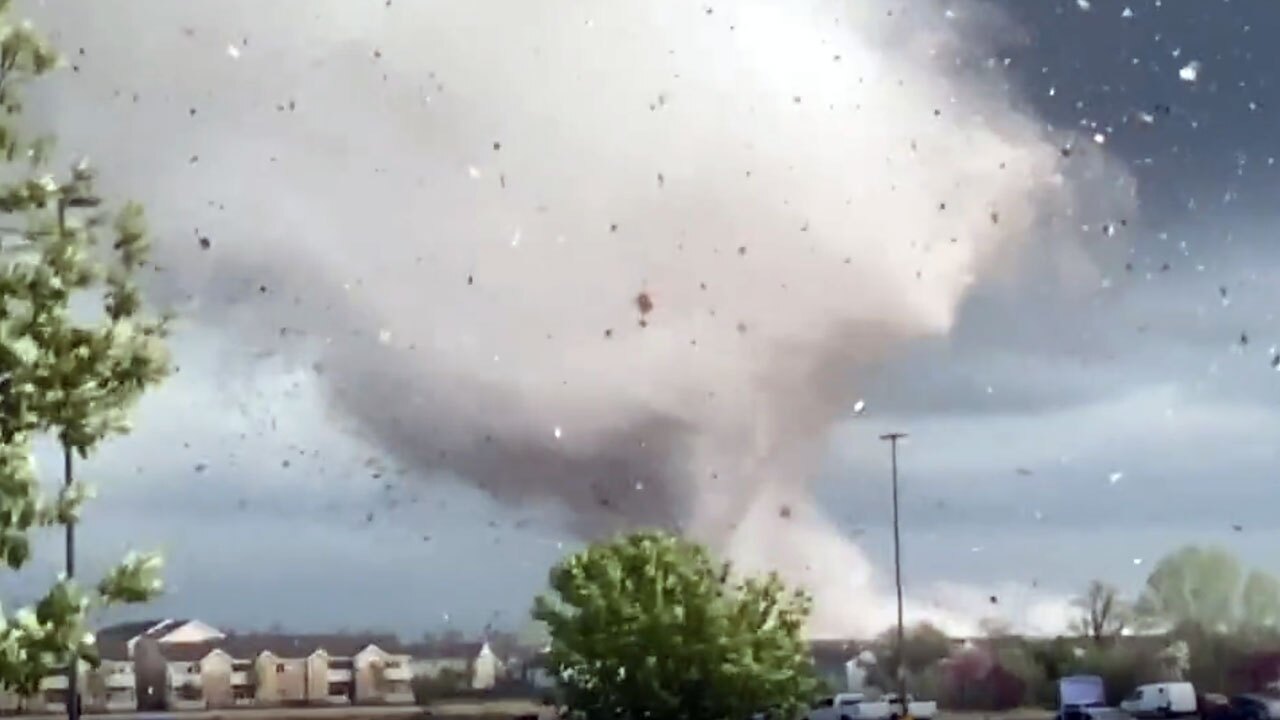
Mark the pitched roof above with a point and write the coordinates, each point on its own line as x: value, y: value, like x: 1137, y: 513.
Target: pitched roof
x: 299, y: 646
x: 187, y: 652
x: 127, y: 630
x: 113, y: 648
x: 165, y: 627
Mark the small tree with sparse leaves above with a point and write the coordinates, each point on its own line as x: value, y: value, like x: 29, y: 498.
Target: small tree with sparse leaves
x: 76, y: 352
x: 650, y: 626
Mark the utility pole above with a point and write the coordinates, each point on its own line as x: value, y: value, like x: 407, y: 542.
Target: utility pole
x: 893, y: 439
x: 73, y: 667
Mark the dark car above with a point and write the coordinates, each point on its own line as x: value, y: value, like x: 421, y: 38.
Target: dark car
x: 1212, y: 706
x: 1254, y: 706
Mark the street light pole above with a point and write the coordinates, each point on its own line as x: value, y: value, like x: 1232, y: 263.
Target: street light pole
x: 893, y: 439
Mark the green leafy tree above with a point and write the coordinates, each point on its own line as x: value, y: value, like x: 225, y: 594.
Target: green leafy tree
x: 651, y: 626
x: 76, y: 352
x: 1207, y: 587
x: 1260, y: 601
x: 1103, y: 615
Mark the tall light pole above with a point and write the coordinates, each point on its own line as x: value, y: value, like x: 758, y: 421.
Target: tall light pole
x: 893, y: 439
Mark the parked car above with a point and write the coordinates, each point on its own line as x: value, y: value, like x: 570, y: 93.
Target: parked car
x: 855, y: 706
x: 889, y: 707
x: 835, y: 707
x: 1254, y: 706
x: 1166, y: 700
x: 1212, y: 706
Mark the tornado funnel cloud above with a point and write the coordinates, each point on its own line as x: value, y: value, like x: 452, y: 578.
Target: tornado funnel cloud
x: 632, y: 258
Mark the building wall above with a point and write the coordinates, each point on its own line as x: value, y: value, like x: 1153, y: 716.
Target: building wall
x: 266, y: 682
x: 366, y: 669
x: 381, y: 678
x: 338, y: 684
x: 185, y: 686
x: 215, y: 671
x: 280, y: 681
x: 112, y: 687
x: 317, y: 678
x: 485, y: 670
x: 432, y: 667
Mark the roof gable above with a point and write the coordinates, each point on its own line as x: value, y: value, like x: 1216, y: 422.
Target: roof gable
x: 185, y: 631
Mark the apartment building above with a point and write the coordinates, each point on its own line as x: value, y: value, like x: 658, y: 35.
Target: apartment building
x: 185, y: 664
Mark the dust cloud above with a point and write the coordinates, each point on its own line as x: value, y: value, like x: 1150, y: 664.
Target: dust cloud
x: 631, y: 258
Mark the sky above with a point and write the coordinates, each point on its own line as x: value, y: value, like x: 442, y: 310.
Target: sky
x: 353, y: 441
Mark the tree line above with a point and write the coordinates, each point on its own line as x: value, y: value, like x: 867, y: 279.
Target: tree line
x: 651, y: 625
x: 1199, y: 617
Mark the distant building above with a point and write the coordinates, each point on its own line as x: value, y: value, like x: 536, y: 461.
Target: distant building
x: 475, y: 663
x: 190, y: 665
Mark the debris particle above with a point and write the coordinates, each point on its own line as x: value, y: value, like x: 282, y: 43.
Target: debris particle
x: 644, y: 303
x: 1190, y: 72
x: 556, y: 432
x: 1115, y: 477
x: 205, y: 243
x: 859, y: 406
x: 497, y: 145
x: 742, y: 249
x: 384, y: 336
x: 233, y: 52
x: 784, y: 512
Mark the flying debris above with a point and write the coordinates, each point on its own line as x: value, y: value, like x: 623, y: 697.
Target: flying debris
x: 1190, y: 72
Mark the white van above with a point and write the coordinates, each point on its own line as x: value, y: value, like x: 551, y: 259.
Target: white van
x: 1166, y: 699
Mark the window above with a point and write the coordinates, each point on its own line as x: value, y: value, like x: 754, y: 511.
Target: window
x: 279, y: 668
